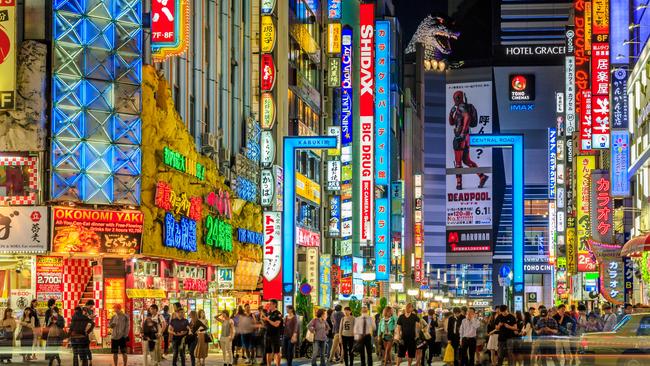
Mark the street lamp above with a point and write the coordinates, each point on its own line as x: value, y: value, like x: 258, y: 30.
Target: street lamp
x: 413, y: 292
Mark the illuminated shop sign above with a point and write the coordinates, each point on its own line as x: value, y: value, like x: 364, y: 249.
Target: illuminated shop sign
x: 602, y: 207
x: 552, y: 161
x: 474, y: 240
x: 220, y: 201
x: 225, y: 280
x: 346, y: 86
x: 250, y: 237
x: 522, y: 87
x: 267, y: 7
x: 570, y: 93
x: 325, y: 288
x: 178, y: 203
x: 333, y: 175
x: 334, y: 38
x: 612, y: 280
x: 534, y: 50
x: 218, y: 234
x: 180, y: 234
x: 170, y: 26
x: 336, y: 132
x: 267, y: 34
x: 585, y: 120
x: 620, y: 163
x: 307, y: 238
x: 279, y: 184
x: 366, y: 119
x: 582, y: 48
x: 619, y: 107
x: 585, y: 166
x: 23, y: 229
x: 272, y: 255
x: 307, y: 188
x: 267, y: 148
x: 600, y: 96
x: 267, y: 80
x: 334, y: 9
x: 267, y: 104
x: 246, y: 189
x: 334, y: 226
x: 8, y: 47
x: 267, y: 187
x: 183, y: 164
x: 96, y: 231
x: 334, y: 72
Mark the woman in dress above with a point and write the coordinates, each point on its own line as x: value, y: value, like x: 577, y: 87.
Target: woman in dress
x: 55, y: 325
x: 227, y: 335
x: 423, y: 336
x: 203, y: 338
x: 26, y: 335
x: 493, y: 340
x: 8, y: 326
x: 386, y: 333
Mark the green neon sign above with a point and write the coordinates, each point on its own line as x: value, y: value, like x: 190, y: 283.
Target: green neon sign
x: 218, y: 234
x: 180, y: 162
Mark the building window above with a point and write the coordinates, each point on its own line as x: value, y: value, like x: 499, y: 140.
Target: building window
x: 536, y: 207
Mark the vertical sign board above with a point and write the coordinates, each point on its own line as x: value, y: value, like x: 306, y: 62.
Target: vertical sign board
x: 170, y: 25
x: 552, y: 161
x: 586, y: 130
x: 570, y: 79
x: 418, y: 228
x: 325, y: 288
x: 334, y: 38
x: 334, y: 9
x: 628, y: 276
x: 620, y: 163
x: 346, y: 86
x: 382, y: 150
x: 8, y: 51
x: 584, y: 167
x: 619, y: 104
x: 581, y: 61
x: 600, y: 95
x: 272, y: 270
x: 602, y: 207
x: 366, y: 119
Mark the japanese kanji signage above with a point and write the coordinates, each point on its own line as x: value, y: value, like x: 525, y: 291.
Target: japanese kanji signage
x: 600, y: 96
x: 169, y: 28
x: 23, y: 229
x: 584, y: 167
x: 267, y: 105
x: 8, y: 50
x: 177, y: 203
x: 602, y: 208
x: 267, y: 34
x: 628, y: 275
x: 585, y: 121
x: 267, y: 187
x: 620, y: 162
x: 612, y: 280
x: 325, y: 288
x: 183, y: 164
x: 334, y: 38
x: 552, y: 161
x: 267, y: 80
x: 272, y: 269
x: 218, y: 234
x: 619, y: 105
x: 179, y: 234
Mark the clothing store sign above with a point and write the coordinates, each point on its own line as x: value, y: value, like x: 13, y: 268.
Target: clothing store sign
x: 23, y: 229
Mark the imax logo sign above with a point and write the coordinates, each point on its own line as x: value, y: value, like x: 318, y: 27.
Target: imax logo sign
x: 526, y: 107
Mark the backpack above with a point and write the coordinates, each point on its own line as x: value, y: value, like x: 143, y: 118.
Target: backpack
x: 473, y: 115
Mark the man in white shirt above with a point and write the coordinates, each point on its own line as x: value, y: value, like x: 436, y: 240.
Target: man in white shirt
x: 468, y: 328
x: 155, y: 355
x: 609, y: 318
x: 364, y: 326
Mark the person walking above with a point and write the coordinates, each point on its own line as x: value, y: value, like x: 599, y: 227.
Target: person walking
x: 154, y: 352
x: 55, y: 331
x: 506, y: 325
x: 80, y: 328
x: 179, y: 328
x: 273, y: 324
x: 150, y: 332
x: 567, y: 328
x: 290, y: 335
x: 346, y: 330
x: 37, y: 331
x: 453, y: 333
x: 364, y: 327
x: 337, y: 316
x: 227, y: 335
x: 165, y: 331
x: 7, y: 330
x: 319, y: 327
x: 406, y: 333
x: 26, y: 333
x: 433, y: 346
x: 120, y: 332
x: 493, y: 339
x: 609, y: 318
x: 545, y: 328
x: 203, y: 338
x: 386, y: 332
x: 89, y: 311
x: 467, y: 333
x: 247, y: 328
x: 192, y: 339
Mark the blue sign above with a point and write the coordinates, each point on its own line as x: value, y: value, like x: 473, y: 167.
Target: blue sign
x: 346, y: 265
x: 516, y: 143
x: 522, y: 107
x: 180, y: 234
x: 335, y: 216
x: 619, y: 108
x: 552, y: 162
x: 250, y: 237
x: 291, y: 144
x: 620, y: 163
x: 334, y: 9
x: 325, y: 292
x: 346, y: 86
x: 246, y: 190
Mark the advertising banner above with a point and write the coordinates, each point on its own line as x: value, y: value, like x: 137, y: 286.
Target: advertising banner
x: 585, y: 121
x: 267, y: 187
x: 382, y: 239
x: 333, y: 175
x: 584, y: 166
x: 366, y: 119
x: 49, y: 278
x: 620, y: 162
x: 570, y: 76
x: 612, y: 280
x: 325, y: 288
x: 619, y: 105
x: 307, y: 238
x: 334, y: 227
x: 334, y: 38
x: 23, y: 229
x: 313, y: 272
x: 334, y: 9
x: 571, y: 251
x: 170, y: 25
x: 582, y: 48
x: 552, y: 162
x: 307, y: 188
x: 600, y: 96
x: 96, y: 231
x: 225, y: 280
x: 272, y: 269
x: 346, y: 86
x: 476, y: 240
x: 469, y: 187
x: 8, y: 52
x: 602, y: 207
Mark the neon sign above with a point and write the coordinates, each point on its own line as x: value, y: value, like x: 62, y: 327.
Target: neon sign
x: 250, y: 237
x: 170, y: 28
x: 180, y: 234
x: 167, y: 199
x: 181, y: 163
x: 218, y: 234
x: 220, y: 201
x: 272, y: 270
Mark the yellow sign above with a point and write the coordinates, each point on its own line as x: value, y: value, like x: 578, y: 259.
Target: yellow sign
x: 334, y: 38
x: 307, y: 189
x: 600, y: 9
x: 145, y: 293
x: 267, y: 38
x: 8, y: 49
x: 268, y: 111
x: 588, y: 32
x: 584, y: 166
x: 571, y: 252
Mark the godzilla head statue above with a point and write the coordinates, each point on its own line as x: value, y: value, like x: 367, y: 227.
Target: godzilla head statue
x: 436, y: 37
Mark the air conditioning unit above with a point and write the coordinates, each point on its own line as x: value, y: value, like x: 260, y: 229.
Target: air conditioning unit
x: 209, y: 143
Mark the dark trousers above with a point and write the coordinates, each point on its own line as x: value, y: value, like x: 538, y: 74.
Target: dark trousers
x: 547, y: 352
x: 179, y: 351
x: 431, y: 348
x: 503, y: 352
x: 348, y: 350
x: 165, y: 342
x: 455, y: 343
x: 366, y: 350
x: 467, y: 351
x: 79, y: 351
x: 191, y: 347
x: 289, y: 350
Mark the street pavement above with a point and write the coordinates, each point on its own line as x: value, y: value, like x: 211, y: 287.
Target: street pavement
x: 137, y: 360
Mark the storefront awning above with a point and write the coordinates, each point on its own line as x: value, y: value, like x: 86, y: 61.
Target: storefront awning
x: 145, y: 293
x: 635, y: 246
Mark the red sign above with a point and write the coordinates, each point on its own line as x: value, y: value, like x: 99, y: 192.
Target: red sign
x: 49, y: 278
x: 366, y: 117
x: 418, y: 270
x: 163, y: 21
x: 96, y: 231
x: 582, y: 59
x: 195, y: 284
x: 346, y: 285
x: 585, y: 120
x: 268, y: 72
x: 272, y: 268
x: 307, y: 238
x: 600, y: 78
x: 178, y: 203
x: 418, y: 233
x: 220, y: 201
x: 586, y: 262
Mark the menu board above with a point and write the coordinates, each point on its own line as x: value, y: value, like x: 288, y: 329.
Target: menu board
x: 49, y: 280
x: 114, y: 289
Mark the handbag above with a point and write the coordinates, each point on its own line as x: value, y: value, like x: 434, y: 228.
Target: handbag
x: 208, y: 338
x: 54, y: 332
x: 309, y: 337
x: 449, y: 354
